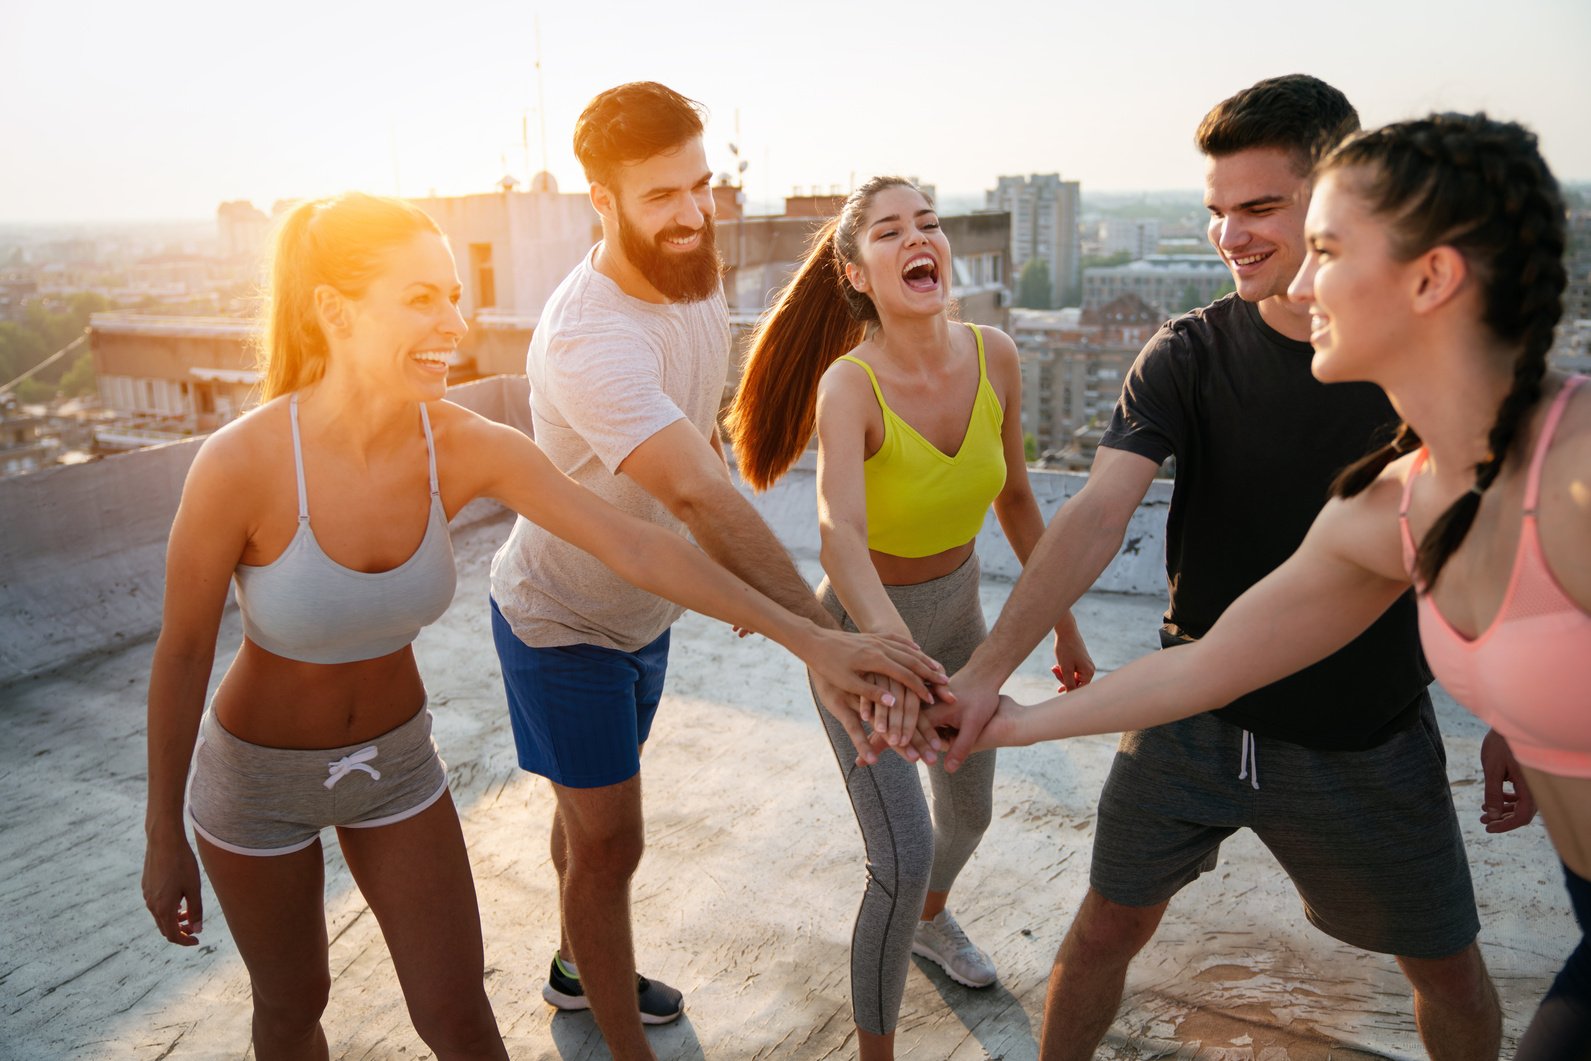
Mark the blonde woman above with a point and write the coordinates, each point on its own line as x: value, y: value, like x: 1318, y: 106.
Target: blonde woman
x: 328, y: 508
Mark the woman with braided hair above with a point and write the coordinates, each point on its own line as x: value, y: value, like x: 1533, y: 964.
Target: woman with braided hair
x: 1435, y: 270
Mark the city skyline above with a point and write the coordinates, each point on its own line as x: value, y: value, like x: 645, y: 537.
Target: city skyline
x: 165, y: 110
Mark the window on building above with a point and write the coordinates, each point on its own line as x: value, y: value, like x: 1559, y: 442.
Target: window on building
x: 485, y: 278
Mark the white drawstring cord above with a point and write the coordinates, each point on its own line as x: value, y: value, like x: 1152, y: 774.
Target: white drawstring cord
x: 349, y: 763
x: 1250, y: 761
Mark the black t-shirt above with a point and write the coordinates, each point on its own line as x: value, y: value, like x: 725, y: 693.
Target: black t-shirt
x: 1257, y: 441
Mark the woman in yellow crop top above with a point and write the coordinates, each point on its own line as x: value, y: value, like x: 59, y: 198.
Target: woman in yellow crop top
x: 914, y: 445
x: 314, y: 503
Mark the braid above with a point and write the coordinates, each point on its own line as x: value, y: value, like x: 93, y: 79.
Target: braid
x: 1362, y: 472
x: 1481, y: 187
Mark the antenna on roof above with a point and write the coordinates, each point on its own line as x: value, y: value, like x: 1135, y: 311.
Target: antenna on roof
x: 392, y: 138
x: 541, y: 97
x: 524, y: 144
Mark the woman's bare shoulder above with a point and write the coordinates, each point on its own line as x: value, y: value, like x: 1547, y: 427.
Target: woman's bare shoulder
x: 1566, y: 469
x: 249, y: 444
x: 997, y: 343
x: 844, y: 374
x: 1363, y: 529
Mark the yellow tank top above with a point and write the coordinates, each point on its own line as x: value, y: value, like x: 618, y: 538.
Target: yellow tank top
x: 921, y: 502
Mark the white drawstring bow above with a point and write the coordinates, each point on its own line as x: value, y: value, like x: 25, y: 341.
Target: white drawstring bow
x: 349, y: 763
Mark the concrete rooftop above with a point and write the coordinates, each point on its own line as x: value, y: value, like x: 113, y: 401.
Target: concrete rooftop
x: 746, y: 896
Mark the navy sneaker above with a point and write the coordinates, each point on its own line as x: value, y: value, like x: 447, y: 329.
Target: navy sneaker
x: 660, y: 1003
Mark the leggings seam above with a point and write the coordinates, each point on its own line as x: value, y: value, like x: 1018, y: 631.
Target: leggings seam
x: 894, y: 892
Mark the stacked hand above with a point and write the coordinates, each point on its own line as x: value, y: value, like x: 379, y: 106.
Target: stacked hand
x: 917, y: 720
x: 882, y: 681
x: 978, y: 720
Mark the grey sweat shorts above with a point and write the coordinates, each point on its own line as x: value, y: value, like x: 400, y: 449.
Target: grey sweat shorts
x: 253, y: 800
x: 1369, y: 838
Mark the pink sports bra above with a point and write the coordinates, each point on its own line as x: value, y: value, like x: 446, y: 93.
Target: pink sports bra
x: 1528, y: 674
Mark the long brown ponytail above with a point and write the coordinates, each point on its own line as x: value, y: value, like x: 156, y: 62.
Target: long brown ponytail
x: 1481, y: 187
x: 817, y: 317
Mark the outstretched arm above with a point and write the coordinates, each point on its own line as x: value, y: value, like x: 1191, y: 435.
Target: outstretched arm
x: 1325, y: 595
x: 510, y: 467
x: 677, y: 466
x: 845, y: 403
x: 1074, y: 549
x: 1018, y: 510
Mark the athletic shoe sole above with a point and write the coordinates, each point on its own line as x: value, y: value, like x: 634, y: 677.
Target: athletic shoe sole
x: 924, y: 952
x: 573, y: 1003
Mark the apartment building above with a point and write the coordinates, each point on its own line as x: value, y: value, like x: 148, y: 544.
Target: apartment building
x: 1073, y: 364
x: 1170, y: 283
x: 1045, y: 212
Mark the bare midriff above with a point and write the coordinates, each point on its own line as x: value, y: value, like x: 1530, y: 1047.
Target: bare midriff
x: 276, y: 702
x: 1565, y: 805
x: 911, y: 570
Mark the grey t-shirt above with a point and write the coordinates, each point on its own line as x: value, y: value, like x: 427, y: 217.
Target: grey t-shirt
x: 607, y: 372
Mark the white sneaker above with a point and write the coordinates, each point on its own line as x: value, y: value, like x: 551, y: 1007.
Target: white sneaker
x: 943, y: 941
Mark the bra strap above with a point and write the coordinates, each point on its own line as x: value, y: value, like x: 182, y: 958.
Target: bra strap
x: 430, y: 448
x: 1406, y: 537
x: 298, y: 461
x: 1408, y: 482
x: 1544, y: 441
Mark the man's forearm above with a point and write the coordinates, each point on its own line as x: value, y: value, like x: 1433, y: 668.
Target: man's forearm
x: 730, y: 531
x: 1070, y: 556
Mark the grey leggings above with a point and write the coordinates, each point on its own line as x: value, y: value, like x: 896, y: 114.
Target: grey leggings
x: 909, y: 852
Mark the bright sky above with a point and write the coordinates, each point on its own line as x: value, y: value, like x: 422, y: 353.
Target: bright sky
x: 164, y: 108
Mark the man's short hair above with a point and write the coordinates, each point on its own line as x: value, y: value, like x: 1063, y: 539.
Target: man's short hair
x: 632, y: 123
x: 1296, y: 113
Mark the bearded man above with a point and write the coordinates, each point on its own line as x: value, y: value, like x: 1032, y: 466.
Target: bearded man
x: 627, y: 368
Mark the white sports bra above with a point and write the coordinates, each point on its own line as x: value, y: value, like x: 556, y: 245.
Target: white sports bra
x: 305, y: 606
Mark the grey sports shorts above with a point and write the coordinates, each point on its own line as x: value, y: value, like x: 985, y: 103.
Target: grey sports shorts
x: 1369, y: 838
x: 253, y: 800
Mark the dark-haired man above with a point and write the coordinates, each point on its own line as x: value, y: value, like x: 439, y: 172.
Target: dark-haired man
x: 1338, y: 769
x: 627, y: 368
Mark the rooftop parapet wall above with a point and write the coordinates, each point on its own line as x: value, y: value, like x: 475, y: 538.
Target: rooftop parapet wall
x: 82, y: 547
x: 82, y: 556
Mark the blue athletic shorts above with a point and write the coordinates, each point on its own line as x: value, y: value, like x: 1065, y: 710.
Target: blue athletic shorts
x: 580, y: 712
